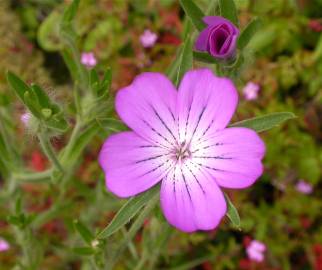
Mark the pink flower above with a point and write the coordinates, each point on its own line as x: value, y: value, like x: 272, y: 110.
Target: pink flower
x: 180, y: 138
x: 255, y: 251
x: 25, y: 118
x: 250, y: 91
x: 4, y: 245
x: 148, y: 38
x: 304, y: 187
x: 88, y: 59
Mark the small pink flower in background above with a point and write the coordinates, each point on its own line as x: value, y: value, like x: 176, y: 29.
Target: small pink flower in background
x: 4, y: 245
x: 250, y: 91
x: 255, y: 251
x: 304, y: 187
x: 148, y: 38
x: 180, y: 138
x: 88, y: 59
x: 25, y: 118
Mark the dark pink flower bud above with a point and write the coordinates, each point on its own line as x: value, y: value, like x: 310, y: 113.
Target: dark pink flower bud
x: 219, y: 38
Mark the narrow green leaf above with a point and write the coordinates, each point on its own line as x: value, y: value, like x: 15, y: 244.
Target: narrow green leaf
x: 57, y: 122
x: 106, y: 83
x: 42, y: 96
x: 248, y: 33
x: 172, y: 69
x: 185, y: 60
x: 111, y: 124
x: 32, y: 104
x: 137, y: 224
x: 265, y: 122
x: 94, y: 80
x: 84, y: 232
x: 232, y: 213
x: 228, y: 10
x: 84, y: 251
x: 18, y: 85
x: 194, y: 13
x: 128, y: 211
x: 70, y: 12
x: 204, y: 57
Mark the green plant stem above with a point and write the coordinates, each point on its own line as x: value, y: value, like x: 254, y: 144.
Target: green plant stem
x: 32, y: 177
x: 48, y: 150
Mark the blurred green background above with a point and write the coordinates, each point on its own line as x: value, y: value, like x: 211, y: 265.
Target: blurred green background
x: 284, y: 59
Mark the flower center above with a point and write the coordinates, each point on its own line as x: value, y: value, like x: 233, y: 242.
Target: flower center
x: 182, y: 152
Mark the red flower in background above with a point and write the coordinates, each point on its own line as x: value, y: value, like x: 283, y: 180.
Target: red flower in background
x: 317, y: 250
x: 38, y: 161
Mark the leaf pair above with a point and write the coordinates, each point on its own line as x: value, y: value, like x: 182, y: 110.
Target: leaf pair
x: 38, y: 103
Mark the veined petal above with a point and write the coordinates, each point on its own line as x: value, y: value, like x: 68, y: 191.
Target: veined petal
x: 232, y: 156
x: 191, y: 199
x: 205, y: 103
x: 132, y: 164
x: 148, y: 107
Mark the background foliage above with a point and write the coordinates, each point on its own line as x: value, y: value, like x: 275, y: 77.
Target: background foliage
x: 284, y: 58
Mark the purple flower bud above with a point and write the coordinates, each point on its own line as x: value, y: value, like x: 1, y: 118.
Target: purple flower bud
x: 219, y: 38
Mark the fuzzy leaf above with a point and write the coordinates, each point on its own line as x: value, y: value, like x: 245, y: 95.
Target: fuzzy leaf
x: 232, y: 213
x: 248, y: 33
x: 128, y: 211
x: 228, y: 10
x: 265, y: 122
x: 194, y: 13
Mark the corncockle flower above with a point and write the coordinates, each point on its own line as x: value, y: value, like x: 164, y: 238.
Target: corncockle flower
x: 250, y: 91
x: 25, y: 117
x: 304, y: 187
x: 180, y: 139
x: 88, y: 59
x: 255, y: 251
x: 219, y: 38
x: 148, y: 38
x: 4, y: 245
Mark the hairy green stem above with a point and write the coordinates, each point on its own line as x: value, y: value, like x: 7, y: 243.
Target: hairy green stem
x: 48, y: 150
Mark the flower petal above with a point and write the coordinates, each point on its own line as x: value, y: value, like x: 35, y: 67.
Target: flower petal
x: 202, y: 40
x: 191, y: 199
x: 232, y: 156
x: 132, y: 164
x: 205, y: 103
x: 148, y: 107
x: 216, y: 20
